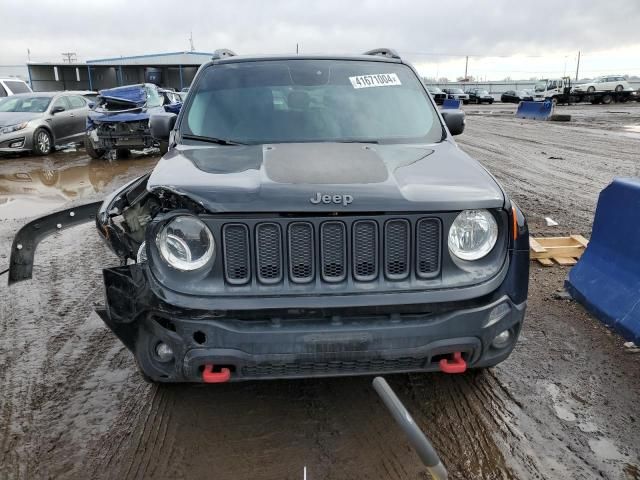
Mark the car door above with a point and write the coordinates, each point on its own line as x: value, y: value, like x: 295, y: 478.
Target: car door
x: 60, y: 121
x: 78, y: 113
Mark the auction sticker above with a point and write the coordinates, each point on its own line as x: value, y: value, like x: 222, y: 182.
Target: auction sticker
x: 376, y: 80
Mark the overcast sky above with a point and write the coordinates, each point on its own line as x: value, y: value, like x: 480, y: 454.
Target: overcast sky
x: 520, y: 39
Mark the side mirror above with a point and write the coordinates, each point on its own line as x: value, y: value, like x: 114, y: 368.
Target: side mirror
x: 161, y: 125
x: 91, y: 105
x: 57, y: 109
x: 455, y: 121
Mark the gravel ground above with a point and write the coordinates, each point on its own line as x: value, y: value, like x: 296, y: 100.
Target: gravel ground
x: 565, y: 404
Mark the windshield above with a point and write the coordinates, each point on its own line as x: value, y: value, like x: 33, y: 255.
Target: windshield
x: 482, y: 92
x: 541, y: 86
x: 456, y: 90
x: 17, y: 87
x: 24, y: 104
x: 282, y: 101
x: 434, y: 89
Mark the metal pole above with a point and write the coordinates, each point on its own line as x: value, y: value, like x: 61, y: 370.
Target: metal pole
x: 180, y: 70
x: 416, y: 437
x: 578, y: 65
x: 466, y: 64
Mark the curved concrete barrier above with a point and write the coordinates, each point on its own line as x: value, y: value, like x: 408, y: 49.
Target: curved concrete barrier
x: 535, y: 110
x: 606, y: 280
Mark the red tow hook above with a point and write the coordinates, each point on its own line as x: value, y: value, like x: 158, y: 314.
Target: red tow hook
x: 457, y: 365
x: 209, y: 376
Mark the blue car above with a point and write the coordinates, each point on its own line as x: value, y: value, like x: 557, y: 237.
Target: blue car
x: 119, y: 122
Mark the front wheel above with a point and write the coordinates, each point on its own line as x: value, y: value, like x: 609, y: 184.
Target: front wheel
x: 42, y: 142
x: 619, y: 88
x: 607, y: 99
x: 91, y: 151
x: 591, y: 89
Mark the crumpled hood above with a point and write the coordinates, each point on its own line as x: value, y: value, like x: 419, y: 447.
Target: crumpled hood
x: 133, y: 94
x: 13, y: 118
x: 292, y: 177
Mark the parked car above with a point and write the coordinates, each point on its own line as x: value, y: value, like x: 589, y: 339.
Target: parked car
x: 13, y: 86
x: 39, y: 122
x: 516, y: 96
x: 119, y: 121
x: 610, y: 83
x: 479, y: 95
x: 456, y: 94
x: 342, y: 232
x: 437, y: 94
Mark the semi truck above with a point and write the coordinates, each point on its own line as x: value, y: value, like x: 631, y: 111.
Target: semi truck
x: 561, y: 90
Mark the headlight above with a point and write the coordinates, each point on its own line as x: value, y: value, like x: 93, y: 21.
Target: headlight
x: 14, y: 128
x: 473, y: 234
x: 186, y: 243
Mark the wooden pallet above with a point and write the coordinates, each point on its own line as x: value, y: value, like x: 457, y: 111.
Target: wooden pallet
x: 562, y: 250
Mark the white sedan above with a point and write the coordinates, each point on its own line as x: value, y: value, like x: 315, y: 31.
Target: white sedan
x: 612, y: 83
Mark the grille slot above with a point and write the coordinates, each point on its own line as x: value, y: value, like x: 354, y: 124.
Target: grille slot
x: 427, y: 247
x: 333, y: 255
x: 236, y: 253
x: 396, y: 249
x: 365, y: 250
x: 269, y: 253
x: 333, y: 367
x: 301, y: 252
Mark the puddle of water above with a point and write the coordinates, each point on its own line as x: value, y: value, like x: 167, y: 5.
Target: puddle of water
x: 606, y: 449
x: 31, y: 187
x: 564, y: 413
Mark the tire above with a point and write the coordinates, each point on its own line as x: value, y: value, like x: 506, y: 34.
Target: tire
x: 42, y: 142
x: 164, y: 147
x: 92, y: 152
x: 591, y: 89
x: 490, y: 102
x: 478, y: 101
x: 465, y: 102
x: 607, y: 99
x: 123, y: 153
x: 619, y: 88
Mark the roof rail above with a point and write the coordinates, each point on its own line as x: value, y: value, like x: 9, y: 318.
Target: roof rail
x: 222, y: 53
x: 383, y: 52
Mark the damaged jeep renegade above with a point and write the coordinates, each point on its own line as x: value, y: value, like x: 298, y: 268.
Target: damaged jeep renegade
x: 312, y: 217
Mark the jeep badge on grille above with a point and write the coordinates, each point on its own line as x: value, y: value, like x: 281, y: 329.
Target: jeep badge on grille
x: 326, y: 198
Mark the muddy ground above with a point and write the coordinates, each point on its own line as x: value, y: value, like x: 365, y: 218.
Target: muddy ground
x: 564, y: 405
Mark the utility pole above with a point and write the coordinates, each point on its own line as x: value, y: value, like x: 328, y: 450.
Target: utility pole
x: 466, y: 64
x: 578, y: 66
x: 28, y: 54
x: 297, y: 49
x: 191, y: 41
x: 69, y: 57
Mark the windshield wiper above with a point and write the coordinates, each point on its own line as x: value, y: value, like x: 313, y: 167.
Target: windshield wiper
x: 217, y: 141
x: 356, y: 140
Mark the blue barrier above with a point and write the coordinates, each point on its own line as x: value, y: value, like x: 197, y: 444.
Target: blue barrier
x: 451, y: 103
x: 535, y: 110
x: 606, y: 280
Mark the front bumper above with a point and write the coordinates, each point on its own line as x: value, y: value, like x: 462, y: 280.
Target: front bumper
x: 273, y: 343
x: 19, y: 141
x: 111, y: 141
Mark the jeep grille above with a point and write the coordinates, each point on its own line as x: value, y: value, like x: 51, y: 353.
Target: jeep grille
x: 331, y: 250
